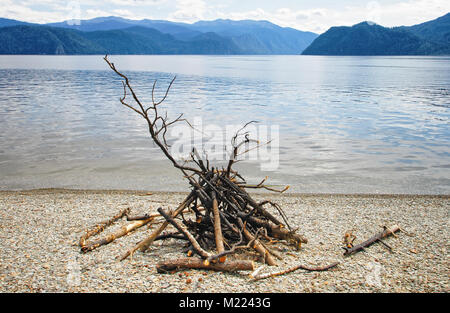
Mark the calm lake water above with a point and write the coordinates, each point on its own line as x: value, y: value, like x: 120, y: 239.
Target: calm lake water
x: 346, y: 124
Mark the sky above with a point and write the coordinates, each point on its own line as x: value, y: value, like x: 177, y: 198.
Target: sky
x: 316, y: 16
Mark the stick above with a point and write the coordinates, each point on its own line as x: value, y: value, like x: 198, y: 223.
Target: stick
x: 196, y: 263
x: 348, y: 239
x: 256, y: 276
x: 144, y: 244
x: 138, y: 218
x: 182, y: 229
x: 277, y: 231
x: 101, y: 227
x: 217, y: 227
x: 385, y: 244
x: 267, y: 257
x: 120, y: 233
x: 172, y: 236
x: 387, y: 232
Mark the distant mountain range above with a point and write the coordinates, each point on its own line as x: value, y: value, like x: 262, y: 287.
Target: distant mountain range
x: 115, y: 35
x: 430, y: 38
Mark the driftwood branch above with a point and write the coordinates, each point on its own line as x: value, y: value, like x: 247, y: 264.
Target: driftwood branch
x: 185, y: 232
x: 102, y: 226
x: 196, y: 263
x: 387, y: 232
x: 266, y: 256
x: 217, y: 225
x: 144, y: 244
x: 257, y: 276
x: 120, y: 233
x: 138, y: 217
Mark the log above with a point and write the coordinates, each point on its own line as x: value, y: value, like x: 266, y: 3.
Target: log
x: 138, y: 217
x: 144, y: 244
x: 197, y: 263
x: 256, y: 276
x: 217, y: 226
x: 387, y: 232
x: 171, y: 236
x: 120, y: 233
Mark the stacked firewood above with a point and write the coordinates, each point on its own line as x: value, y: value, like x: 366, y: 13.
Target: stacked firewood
x: 224, y: 219
x: 231, y: 221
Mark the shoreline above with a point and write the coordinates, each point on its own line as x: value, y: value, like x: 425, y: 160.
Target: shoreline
x: 40, y: 230
x: 264, y: 193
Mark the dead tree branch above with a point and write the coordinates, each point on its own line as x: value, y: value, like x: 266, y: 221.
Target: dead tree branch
x: 387, y: 232
x: 257, y: 276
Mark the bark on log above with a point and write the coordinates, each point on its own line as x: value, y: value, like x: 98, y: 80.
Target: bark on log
x: 120, y: 233
x: 387, y: 232
x: 197, y: 263
x: 217, y: 226
x: 139, y: 217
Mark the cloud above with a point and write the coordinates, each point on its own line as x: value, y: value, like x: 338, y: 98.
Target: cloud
x: 316, y: 19
x: 21, y: 10
x: 320, y: 19
x: 46, y: 11
x: 189, y: 10
x: 133, y: 3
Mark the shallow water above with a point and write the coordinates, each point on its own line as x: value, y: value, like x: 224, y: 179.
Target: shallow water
x: 346, y: 124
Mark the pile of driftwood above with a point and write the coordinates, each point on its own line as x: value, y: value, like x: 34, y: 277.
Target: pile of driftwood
x: 222, y: 225
x: 224, y: 218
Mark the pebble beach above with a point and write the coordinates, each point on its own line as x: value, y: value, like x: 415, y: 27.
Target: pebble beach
x: 40, y: 230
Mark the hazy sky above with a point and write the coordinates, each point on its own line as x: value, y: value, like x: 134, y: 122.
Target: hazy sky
x: 316, y: 16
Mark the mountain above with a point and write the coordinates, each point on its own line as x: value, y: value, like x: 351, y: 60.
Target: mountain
x: 4, y: 22
x: 437, y: 31
x: 431, y: 38
x: 179, y: 30
x: 25, y: 39
x: 366, y: 39
x: 30, y: 39
x: 143, y: 40
x: 262, y: 36
x: 115, y: 35
x: 252, y: 37
x: 95, y: 24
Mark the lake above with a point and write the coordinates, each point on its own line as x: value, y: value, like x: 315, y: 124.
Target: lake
x: 346, y: 124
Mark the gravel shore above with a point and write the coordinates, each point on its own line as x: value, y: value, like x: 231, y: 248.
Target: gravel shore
x: 40, y: 229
